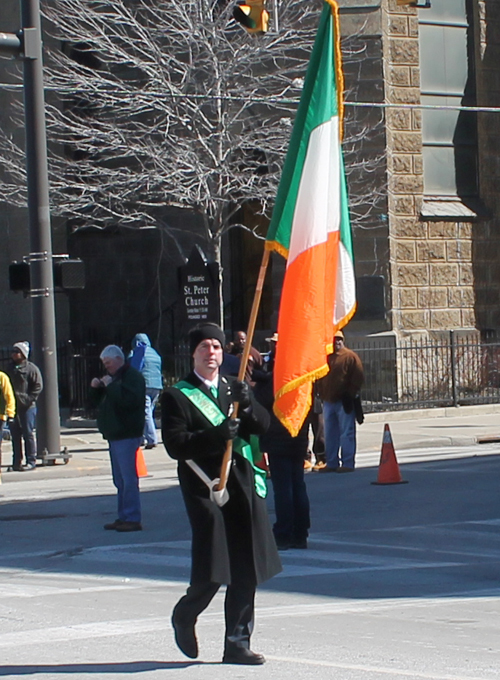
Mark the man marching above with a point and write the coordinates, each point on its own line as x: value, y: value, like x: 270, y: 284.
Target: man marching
x: 232, y: 542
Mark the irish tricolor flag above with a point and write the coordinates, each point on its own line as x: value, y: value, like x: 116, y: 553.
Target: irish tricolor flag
x: 310, y: 227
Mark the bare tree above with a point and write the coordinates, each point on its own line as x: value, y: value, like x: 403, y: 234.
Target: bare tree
x: 171, y: 103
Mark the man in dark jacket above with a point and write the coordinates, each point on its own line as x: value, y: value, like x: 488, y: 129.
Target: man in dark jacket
x: 120, y: 397
x: 286, y: 465
x: 231, y: 543
x: 27, y: 383
x: 339, y: 389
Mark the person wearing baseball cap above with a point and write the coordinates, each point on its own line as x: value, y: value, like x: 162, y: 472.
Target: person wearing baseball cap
x: 232, y: 541
x: 339, y: 390
x: 27, y: 383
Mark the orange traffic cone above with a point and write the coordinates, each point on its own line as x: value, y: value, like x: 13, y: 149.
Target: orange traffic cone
x: 388, y: 469
x: 140, y: 463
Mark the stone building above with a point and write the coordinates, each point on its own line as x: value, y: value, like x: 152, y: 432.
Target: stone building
x: 436, y: 245
x: 423, y: 183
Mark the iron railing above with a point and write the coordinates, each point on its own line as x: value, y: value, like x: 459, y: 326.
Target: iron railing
x: 452, y: 371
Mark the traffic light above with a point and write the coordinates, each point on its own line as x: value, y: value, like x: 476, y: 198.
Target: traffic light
x: 252, y: 14
x: 68, y: 275
x: 19, y: 277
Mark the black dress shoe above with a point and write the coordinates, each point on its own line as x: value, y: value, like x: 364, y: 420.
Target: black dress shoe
x: 113, y: 525
x: 128, y: 526
x: 243, y: 657
x: 185, y: 638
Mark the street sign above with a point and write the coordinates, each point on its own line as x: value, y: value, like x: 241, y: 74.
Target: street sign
x: 199, y: 290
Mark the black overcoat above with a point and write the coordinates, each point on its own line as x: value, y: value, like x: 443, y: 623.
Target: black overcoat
x: 235, y: 542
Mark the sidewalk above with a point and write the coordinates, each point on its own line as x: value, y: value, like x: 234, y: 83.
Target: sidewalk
x: 462, y: 426
x: 431, y: 428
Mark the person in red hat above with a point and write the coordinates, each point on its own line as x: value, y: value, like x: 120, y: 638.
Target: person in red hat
x: 339, y: 389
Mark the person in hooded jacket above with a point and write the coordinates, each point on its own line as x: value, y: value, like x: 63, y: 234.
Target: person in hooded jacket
x: 147, y: 361
x: 27, y: 383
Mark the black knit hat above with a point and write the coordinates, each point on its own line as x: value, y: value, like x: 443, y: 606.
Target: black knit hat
x: 205, y: 331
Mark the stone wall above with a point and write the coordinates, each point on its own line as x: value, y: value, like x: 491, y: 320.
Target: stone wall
x: 365, y: 148
x: 431, y: 261
x: 486, y: 234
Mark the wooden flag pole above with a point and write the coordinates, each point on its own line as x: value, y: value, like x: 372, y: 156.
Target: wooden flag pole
x: 226, y: 461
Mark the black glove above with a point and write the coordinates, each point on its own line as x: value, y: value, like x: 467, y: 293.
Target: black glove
x: 240, y: 392
x: 347, y: 403
x: 358, y: 410
x: 229, y: 428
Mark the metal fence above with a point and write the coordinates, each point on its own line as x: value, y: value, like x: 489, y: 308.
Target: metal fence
x: 453, y: 371
x: 76, y: 367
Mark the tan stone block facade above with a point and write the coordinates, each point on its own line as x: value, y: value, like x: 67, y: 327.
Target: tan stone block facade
x: 444, y: 319
x: 427, y: 252
x: 431, y: 261
x: 405, y: 251
x: 441, y: 268
x: 432, y: 298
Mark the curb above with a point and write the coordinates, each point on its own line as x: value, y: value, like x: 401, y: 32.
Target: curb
x: 446, y: 412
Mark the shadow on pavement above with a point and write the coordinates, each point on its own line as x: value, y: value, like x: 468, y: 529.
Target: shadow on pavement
x: 435, y: 536
x: 129, y: 668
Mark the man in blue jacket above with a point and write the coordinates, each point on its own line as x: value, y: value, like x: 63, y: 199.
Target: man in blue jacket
x: 147, y: 360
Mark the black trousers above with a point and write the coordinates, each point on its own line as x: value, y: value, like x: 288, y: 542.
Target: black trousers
x: 291, y: 502
x: 239, y: 607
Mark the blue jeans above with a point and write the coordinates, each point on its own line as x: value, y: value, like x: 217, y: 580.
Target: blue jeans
x: 152, y: 395
x: 22, y: 427
x: 340, y: 433
x: 123, y: 465
x: 2, y: 425
x: 291, y: 502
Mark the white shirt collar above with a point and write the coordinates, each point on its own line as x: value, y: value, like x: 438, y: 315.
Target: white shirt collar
x: 208, y: 383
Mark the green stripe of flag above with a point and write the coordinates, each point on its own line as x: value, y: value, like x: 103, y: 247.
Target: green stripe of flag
x: 318, y: 104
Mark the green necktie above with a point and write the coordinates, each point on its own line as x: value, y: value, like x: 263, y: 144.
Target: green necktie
x: 214, y: 391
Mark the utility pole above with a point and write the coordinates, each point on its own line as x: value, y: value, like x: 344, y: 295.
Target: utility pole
x: 28, y: 45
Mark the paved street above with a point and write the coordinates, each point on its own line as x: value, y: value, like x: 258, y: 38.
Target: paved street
x: 399, y: 582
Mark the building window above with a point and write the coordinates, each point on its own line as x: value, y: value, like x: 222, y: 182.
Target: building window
x: 447, y: 78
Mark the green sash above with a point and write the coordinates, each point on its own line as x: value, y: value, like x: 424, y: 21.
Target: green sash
x: 249, y: 451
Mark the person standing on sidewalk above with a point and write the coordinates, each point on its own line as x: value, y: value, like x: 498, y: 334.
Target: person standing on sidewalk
x: 147, y: 360
x: 7, y: 406
x: 120, y: 397
x: 338, y: 390
x: 27, y: 384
